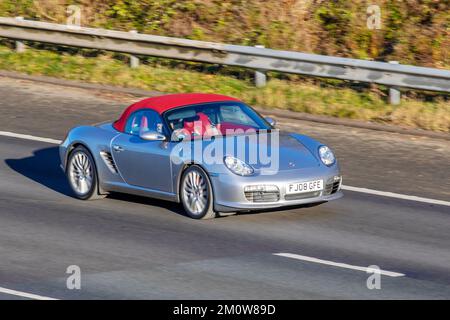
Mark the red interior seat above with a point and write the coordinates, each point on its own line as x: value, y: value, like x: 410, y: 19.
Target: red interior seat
x: 144, y: 124
x: 199, y: 126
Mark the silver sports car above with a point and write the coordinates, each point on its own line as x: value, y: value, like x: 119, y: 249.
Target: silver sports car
x: 212, y: 153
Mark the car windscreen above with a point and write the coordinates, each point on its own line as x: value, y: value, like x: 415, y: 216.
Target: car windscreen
x: 217, y: 118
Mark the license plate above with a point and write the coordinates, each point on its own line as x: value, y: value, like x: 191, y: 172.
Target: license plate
x: 301, y: 187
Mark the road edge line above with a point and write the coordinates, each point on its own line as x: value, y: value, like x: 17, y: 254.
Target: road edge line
x: 24, y: 294
x: 339, y: 264
x: 28, y: 137
x: 396, y: 195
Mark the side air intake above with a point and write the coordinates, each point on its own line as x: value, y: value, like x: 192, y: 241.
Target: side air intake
x: 109, y: 161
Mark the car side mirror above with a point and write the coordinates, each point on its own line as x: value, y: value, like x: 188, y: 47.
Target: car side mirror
x: 152, y: 136
x: 271, y: 121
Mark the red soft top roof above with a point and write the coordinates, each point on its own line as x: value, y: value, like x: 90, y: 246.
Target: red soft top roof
x: 166, y: 102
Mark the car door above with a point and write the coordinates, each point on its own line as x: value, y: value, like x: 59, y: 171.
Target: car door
x: 143, y: 163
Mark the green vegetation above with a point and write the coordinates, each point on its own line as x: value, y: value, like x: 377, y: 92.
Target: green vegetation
x: 412, y: 32
x: 333, y: 98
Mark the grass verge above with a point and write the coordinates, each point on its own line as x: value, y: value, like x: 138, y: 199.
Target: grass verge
x: 302, y: 96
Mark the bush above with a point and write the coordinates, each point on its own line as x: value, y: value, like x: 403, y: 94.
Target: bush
x: 413, y: 31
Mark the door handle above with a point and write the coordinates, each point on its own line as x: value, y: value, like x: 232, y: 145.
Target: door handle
x: 117, y: 148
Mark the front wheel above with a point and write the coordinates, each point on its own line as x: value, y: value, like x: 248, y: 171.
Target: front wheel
x: 82, y: 174
x: 196, y: 193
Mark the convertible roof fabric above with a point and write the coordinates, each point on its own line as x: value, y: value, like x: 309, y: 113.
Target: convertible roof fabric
x: 166, y: 102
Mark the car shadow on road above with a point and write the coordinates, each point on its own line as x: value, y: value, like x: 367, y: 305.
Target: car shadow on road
x: 168, y: 205
x: 43, y: 167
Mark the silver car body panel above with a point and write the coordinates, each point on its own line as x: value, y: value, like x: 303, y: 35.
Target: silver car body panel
x: 126, y: 163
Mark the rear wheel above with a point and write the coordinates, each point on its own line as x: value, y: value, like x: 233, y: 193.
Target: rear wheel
x: 82, y: 174
x: 196, y: 193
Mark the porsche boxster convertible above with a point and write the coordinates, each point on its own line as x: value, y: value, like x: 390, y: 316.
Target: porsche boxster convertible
x: 212, y: 153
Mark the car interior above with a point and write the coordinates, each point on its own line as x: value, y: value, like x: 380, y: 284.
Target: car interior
x: 208, y: 121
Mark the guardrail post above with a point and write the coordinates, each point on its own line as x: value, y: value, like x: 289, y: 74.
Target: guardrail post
x: 260, y: 76
x: 20, y: 46
x: 394, y: 92
x: 134, y: 61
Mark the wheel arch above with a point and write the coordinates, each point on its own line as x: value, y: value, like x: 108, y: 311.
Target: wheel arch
x: 72, y: 147
x: 185, y: 166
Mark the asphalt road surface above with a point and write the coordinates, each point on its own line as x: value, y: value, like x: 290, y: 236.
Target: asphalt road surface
x: 131, y: 247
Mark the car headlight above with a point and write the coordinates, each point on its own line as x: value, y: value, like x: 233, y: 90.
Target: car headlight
x: 237, y: 166
x: 326, y: 156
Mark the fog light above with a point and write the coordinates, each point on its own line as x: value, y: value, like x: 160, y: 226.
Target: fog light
x: 262, y: 193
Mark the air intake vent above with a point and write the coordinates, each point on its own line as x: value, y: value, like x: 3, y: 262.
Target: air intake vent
x: 109, y: 161
x: 262, y: 193
x: 333, y: 185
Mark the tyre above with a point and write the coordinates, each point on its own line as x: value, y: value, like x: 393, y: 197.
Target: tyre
x: 82, y: 174
x: 196, y: 193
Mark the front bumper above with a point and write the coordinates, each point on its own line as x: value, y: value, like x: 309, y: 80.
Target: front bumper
x: 229, y: 190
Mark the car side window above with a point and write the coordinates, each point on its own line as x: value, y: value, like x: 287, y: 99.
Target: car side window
x: 143, y: 121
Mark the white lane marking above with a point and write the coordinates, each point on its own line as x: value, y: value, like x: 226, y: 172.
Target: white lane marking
x: 344, y: 187
x: 397, y: 195
x: 336, y: 264
x: 24, y: 294
x: 28, y: 137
